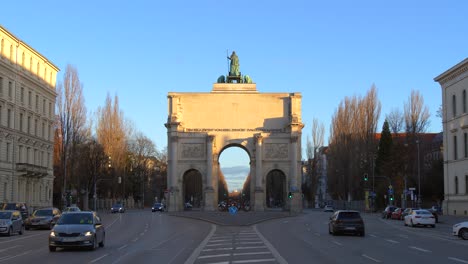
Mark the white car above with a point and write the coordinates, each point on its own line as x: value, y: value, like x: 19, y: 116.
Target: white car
x: 328, y: 208
x: 461, y: 230
x: 420, y: 217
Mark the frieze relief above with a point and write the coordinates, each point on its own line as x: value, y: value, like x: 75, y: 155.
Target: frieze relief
x: 193, y: 151
x: 276, y: 151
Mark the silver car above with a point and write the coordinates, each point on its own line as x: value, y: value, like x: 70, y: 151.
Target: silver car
x: 11, y: 222
x: 77, y: 229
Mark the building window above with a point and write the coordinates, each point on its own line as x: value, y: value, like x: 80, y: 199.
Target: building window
x: 20, y: 154
x: 30, y: 99
x: 22, y: 95
x: 455, y: 156
x: 28, y: 156
x: 37, y: 103
x: 9, y: 118
x: 464, y: 101
x: 29, y: 125
x: 8, y: 151
x: 35, y: 127
x: 456, y: 185
x: 5, y: 189
x: 43, y: 130
x: 1, y: 85
x: 43, y: 106
x: 10, y: 89
x: 21, y: 122
x: 454, y: 105
x: 49, y: 132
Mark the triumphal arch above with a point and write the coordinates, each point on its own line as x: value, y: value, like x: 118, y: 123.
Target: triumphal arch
x: 267, y: 126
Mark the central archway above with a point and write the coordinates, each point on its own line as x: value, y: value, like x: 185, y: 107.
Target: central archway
x: 192, y: 189
x: 276, y: 189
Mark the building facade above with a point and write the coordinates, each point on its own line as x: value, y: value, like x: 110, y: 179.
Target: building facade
x: 27, y: 103
x: 454, y: 84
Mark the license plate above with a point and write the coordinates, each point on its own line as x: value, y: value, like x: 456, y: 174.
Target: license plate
x: 68, y: 239
x: 350, y: 228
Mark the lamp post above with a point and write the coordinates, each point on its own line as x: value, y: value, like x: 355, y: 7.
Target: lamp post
x: 419, y: 176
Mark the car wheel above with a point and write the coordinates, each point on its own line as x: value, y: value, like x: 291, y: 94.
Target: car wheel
x: 329, y: 230
x: 9, y: 231
x: 463, y: 233
x: 101, y: 244
x: 93, y: 244
x: 52, y: 249
x: 363, y: 233
x: 21, y: 231
x: 26, y: 227
x: 433, y: 226
x: 411, y: 223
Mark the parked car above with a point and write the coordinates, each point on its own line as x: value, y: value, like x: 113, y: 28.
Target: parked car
x: 11, y: 222
x: 461, y: 230
x: 420, y: 217
x: 77, y: 229
x: 157, y: 207
x: 43, y: 218
x: 117, y: 208
x: 328, y: 208
x: 346, y: 221
x: 19, y: 206
x: 407, y: 211
x: 387, y: 213
x: 397, y: 214
x: 71, y: 209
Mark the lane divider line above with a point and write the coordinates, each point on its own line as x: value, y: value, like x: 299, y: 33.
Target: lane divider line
x: 458, y: 260
x: 97, y: 259
x: 373, y: 259
x: 421, y: 249
x: 198, y: 250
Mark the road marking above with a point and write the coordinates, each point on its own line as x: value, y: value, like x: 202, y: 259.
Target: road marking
x: 216, y: 249
x: 338, y: 243
x: 252, y: 261
x: 135, y: 239
x: 24, y: 237
x: 97, y: 259
x: 373, y: 235
x: 14, y: 256
x: 214, y: 256
x: 222, y: 262
x: 220, y: 240
x: 392, y: 241
x: 285, y: 222
x: 373, y: 259
x: 115, y: 220
x: 421, y: 249
x: 237, y: 248
x: 5, y: 249
x: 219, y: 244
x: 198, y: 250
x: 122, y: 247
x: 275, y: 253
x: 457, y: 259
x: 403, y: 236
x: 252, y: 253
x: 317, y: 234
x: 141, y: 234
x: 246, y: 243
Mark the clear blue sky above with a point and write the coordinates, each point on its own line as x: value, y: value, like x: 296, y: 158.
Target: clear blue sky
x: 326, y: 50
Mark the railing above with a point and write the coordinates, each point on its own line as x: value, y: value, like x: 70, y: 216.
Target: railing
x: 31, y: 170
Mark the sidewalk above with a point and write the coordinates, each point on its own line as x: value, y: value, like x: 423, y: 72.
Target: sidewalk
x: 226, y: 219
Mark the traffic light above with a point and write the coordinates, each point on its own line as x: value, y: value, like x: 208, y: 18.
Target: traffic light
x: 290, y: 195
x: 366, y: 177
x: 391, y: 197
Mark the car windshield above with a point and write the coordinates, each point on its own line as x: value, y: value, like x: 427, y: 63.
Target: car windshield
x: 349, y: 215
x: 423, y: 212
x: 157, y: 204
x: 43, y: 213
x: 5, y: 215
x: 117, y: 205
x: 72, y: 209
x: 8, y: 206
x: 76, y: 219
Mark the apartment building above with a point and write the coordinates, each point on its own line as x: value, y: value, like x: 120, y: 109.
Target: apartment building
x: 27, y: 102
x: 454, y: 84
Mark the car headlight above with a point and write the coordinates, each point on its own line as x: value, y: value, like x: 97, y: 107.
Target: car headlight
x: 53, y: 234
x: 456, y: 225
x: 89, y: 233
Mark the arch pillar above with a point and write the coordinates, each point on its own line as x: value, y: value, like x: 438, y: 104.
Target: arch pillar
x: 259, y: 202
x: 209, y: 203
x: 294, y: 188
x: 174, y: 192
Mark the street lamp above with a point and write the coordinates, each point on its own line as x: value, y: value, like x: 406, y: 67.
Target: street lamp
x: 419, y: 176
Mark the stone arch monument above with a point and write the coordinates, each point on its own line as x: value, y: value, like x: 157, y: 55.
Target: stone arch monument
x: 267, y: 126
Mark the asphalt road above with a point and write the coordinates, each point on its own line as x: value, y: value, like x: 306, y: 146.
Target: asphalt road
x: 145, y: 237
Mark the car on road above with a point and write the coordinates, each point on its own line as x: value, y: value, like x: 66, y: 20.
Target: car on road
x: 78, y: 229
x: 11, y: 222
x: 346, y: 221
x: 387, y: 213
x: 19, y: 206
x: 117, y: 208
x: 461, y: 230
x: 71, y: 209
x: 420, y: 217
x: 397, y: 214
x: 157, y: 207
x: 43, y: 218
x: 328, y: 208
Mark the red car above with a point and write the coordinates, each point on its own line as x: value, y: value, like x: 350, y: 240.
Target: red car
x: 397, y: 214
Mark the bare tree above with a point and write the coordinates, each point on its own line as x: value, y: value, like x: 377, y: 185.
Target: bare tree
x: 416, y: 114
x: 71, y: 127
x: 395, y: 120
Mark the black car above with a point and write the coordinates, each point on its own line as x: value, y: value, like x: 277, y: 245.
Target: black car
x: 18, y: 206
x: 117, y: 208
x: 387, y: 213
x: 346, y: 221
x: 157, y: 207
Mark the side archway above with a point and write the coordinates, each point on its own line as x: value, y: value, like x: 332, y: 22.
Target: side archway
x: 192, y: 189
x: 275, y: 189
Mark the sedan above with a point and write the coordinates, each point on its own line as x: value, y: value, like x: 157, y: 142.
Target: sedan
x: 11, y: 222
x: 157, y: 207
x: 328, y: 208
x: 43, y: 218
x: 461, y: 230
x: 420, y: 217
x: 117, y: 208
x: 77, y: 229
x: 397, y: 214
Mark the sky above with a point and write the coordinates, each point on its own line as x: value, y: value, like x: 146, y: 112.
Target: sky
x: 325, y: 50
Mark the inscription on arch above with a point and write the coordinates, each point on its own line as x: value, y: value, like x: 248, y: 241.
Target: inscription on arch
x: 276, y: 151
x: 193, y: 151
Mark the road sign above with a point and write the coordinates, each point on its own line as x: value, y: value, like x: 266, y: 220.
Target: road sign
x: 390, y: 187
x: 390, y: 191
x: 412, y: 189
x: 232, y: 210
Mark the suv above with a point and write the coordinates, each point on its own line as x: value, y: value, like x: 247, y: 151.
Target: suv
x: 18, y: 206
x: 343, y: 221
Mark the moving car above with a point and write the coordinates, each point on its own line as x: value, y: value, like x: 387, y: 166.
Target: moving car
x: 387, y: 213
x: 346, y: 221
x: 78, y: 229
x: 118, y: 208
x: 461, y: 230
x: 328, y: 208
x: 420, y: 217
x: 43, y: 218
x: 19, y: 206
x: 157, y: 207
x: 71, y: 209
x: 11, y: 222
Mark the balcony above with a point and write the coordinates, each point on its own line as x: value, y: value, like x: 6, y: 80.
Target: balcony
x: 31, y: 170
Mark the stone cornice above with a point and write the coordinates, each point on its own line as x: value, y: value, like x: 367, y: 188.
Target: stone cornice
x: 454, y: 74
